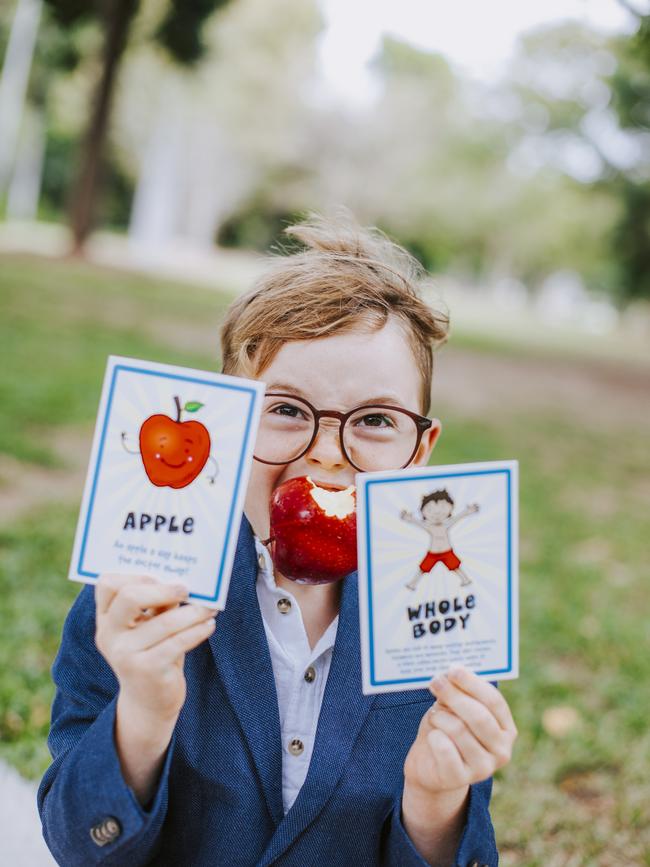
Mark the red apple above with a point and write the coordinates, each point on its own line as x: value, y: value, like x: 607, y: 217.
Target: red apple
x: 313, y: 537
x: 173, y: 451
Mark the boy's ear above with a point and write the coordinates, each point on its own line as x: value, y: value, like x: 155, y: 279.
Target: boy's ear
x: 427, y: 444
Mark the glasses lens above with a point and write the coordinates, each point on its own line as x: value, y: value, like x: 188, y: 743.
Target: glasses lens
x: 286, y: 426
x: 377, y: 438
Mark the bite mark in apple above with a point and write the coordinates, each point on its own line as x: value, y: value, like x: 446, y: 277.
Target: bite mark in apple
x: 335, y: 504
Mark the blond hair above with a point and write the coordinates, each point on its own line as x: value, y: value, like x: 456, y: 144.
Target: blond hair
x: 347, y: 276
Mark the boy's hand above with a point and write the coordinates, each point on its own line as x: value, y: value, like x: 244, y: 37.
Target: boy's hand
x: 404, y: 515
x: 144, y: 633
x: 473, y: 507
x: 466, y: 736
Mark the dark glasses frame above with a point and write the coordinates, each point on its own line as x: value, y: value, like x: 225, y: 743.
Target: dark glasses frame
x: 421, y: 422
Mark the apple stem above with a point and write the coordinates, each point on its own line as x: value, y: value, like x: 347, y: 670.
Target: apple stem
x: 178, y: 408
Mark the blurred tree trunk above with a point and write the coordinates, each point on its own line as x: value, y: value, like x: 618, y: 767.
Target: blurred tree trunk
x: 14, y: 80
x: 117, y: 17
x: 191, y: 176
x: 158, y: 193
x: 24, y: 189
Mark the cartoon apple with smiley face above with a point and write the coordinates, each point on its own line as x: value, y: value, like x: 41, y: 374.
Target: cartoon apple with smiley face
x: 173, y: 451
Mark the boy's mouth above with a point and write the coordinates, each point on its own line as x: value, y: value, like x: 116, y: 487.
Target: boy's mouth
x: 326, y: 484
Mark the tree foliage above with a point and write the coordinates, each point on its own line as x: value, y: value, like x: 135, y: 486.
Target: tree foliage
x: 180, y: 32
x: 547, y: 168
x: 631, y: 100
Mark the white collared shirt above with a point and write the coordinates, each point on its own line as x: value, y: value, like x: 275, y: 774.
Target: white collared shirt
x: 300, y: 673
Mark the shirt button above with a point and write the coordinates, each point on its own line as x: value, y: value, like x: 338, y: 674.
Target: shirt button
x: 261, y: 562
x: 296, y: 746
x: 106, y: 831
x: 310, y: 674
x: 284, y: 605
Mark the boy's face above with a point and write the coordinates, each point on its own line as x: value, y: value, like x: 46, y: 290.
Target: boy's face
x: 437, y: 510
x: 340, y: 373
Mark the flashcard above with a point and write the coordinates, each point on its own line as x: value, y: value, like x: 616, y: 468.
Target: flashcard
x: 438, y: 573
x: 167, y: 477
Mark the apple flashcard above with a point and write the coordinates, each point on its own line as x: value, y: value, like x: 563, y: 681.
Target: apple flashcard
x: 438, y: 573
x: 167, y: 477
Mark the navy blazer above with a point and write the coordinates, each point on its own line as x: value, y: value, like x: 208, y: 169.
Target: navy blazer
x: 219, y: 797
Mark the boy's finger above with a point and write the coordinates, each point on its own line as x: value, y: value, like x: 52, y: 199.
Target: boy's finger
x: 484, y: 692
x: 163, y: 626
x: 126, y: 607
x: 478, y: 718
x: 148, y: 613
x: 168, y: 651
x: 109, y: 584
x: 472, y: 752
x: 449, y: 762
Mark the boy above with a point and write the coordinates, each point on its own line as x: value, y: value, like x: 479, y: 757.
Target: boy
x: 257, y: 746
x: 436, y: 510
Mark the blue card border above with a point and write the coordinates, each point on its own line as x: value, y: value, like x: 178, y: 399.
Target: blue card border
x: 98, y: 463
x: 505, y: 471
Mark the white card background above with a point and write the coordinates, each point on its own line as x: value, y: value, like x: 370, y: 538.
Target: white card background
x: 117, y: 483
x: 390, y: 552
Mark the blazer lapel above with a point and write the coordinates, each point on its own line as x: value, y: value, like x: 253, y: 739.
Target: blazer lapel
x: 343, y: 712
x: 243, y: 660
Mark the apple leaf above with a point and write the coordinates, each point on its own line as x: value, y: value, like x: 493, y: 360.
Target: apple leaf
x: 192, y: 406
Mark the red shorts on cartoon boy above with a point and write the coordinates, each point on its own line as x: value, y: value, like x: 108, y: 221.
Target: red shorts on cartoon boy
x: 448, y: 558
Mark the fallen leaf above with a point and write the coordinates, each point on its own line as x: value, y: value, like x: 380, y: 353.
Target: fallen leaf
x: 560, y: 720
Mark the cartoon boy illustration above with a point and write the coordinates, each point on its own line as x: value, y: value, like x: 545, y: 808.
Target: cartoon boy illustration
x: 436, y: 510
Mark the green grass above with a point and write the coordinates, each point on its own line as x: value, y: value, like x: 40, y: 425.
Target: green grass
x: 61, y: 320
x: 577, y: 799
x: 34, y: 558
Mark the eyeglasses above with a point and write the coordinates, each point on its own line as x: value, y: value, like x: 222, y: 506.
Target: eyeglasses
x: 372, y: 436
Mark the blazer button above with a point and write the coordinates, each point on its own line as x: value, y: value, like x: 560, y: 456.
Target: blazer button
x: 310, y: 674
x: 296, y: 746
x: 106, y: 831
x: 284, y: 605
x: 476, y: 863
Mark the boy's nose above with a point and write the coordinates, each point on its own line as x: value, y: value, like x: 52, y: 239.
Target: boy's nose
x: 326, y: 450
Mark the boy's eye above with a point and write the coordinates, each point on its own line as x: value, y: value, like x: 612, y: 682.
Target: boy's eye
x: 288, y: 410
x: 375, y: 420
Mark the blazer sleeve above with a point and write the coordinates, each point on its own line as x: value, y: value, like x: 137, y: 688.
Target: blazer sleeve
x: 477, y: 847
x: 88, y: 813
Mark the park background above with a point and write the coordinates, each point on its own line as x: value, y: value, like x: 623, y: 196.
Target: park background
x: 151, y: 153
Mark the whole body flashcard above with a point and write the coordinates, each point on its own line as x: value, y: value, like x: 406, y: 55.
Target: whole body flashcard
x: 167, y: 476
x: 438, y: 573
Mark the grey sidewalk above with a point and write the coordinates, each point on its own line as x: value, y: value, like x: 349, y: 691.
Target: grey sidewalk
x: 20, y: 825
